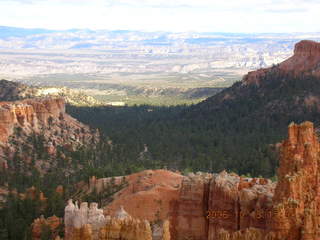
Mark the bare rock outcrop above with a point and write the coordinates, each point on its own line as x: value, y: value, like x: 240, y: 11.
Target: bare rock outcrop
x: 297, y: 193
x: 187, y: 216
x: 237, y: 203
x: 28, y: 114
x: 90, y: 224
x: 22, y: 120
x: 146, y: 195
x: 305, y: 60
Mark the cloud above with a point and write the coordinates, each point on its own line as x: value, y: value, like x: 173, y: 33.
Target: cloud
x: 173, y: 15
x: 289, y: 10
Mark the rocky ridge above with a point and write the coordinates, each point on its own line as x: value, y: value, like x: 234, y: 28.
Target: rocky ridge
x: 305, y: 60
x: 13, y: 91
x: 287, y: 91
x: 45, y: 117
x: 226, y: 206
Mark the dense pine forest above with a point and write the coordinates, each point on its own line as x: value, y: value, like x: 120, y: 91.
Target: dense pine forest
x: 238, y: 135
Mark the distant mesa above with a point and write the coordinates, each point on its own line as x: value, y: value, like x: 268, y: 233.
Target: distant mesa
x: 306, y: 60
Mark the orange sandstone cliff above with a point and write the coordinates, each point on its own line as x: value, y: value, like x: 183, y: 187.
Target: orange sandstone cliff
x: 297, y: 193
x: 29, y: 114
x: 46, y: 117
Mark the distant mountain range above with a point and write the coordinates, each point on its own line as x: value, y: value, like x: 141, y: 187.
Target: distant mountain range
x: 23, y: 38
x: 96, y: 58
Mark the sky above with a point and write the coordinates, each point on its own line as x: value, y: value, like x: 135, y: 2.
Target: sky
x: 246, y: 16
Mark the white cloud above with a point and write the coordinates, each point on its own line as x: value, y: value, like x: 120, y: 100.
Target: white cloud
x: 173, y: 15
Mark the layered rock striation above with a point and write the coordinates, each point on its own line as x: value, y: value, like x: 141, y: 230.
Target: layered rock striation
x: 28, y: 114
x: 188, y: 212
x: 199, y: 206
x: 41, y: 118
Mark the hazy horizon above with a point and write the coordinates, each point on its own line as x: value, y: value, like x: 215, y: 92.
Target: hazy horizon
x: 164, y: 31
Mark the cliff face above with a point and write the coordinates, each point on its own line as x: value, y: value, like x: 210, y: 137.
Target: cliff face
x: 42, y: 119
x: 187, y: 215
x: 212, y: 204
x: 236, y: 203
x: 29, y: 114
x: 297, y: 193
x: 305, y: 60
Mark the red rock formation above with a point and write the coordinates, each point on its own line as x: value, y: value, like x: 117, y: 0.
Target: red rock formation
x: 147, y: 195
x: 28, y: 114
x: 188, y: 213
x: 236, y: 204
x: 305, y: 60
x: 297, y: 195
x: 45, y: 117
x: 53, y: 223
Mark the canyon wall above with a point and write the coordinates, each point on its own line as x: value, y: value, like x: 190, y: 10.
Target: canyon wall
x: 46, y: 118
x: 187, y: 215
x: 28, y: 114
x: 212, y: 204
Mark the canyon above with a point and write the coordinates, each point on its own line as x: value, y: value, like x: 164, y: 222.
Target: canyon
x: 205, y: 206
